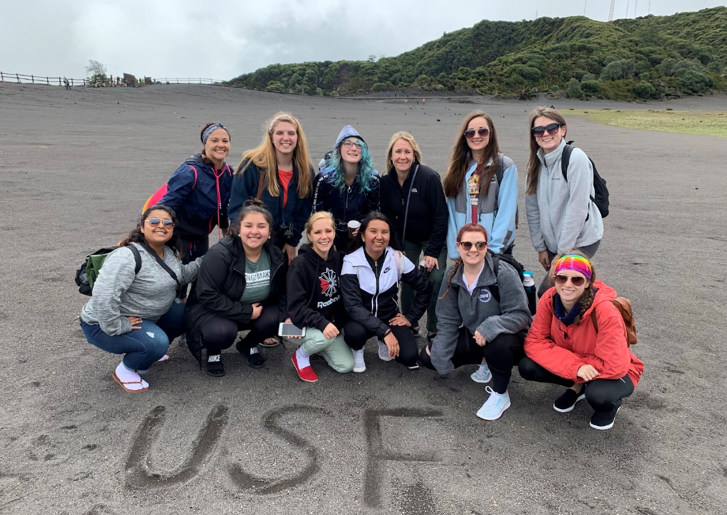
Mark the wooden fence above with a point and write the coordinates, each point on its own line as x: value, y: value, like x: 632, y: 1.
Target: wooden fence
x: 20, y: 78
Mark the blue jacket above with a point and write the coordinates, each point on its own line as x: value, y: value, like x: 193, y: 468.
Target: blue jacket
x: 496, y: 212
x: 294, y: 215
x: 198, y: 205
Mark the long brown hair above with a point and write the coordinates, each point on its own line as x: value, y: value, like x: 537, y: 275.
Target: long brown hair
x: 458, y: 262
x: 263, y: 157
x: 457, y: 169
x: 533, y: 167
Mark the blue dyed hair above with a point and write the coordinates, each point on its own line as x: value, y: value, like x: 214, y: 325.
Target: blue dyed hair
x: 363, y: 175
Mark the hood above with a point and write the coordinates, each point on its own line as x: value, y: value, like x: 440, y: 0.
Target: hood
x: 347, y: 132
x: 306, y: 252
x: 604, y: 293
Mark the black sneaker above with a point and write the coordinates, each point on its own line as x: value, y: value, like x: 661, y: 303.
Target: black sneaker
x: 603, y: 420
x: 253, y: 356
x: 215, y: 368
x: 568, y: 400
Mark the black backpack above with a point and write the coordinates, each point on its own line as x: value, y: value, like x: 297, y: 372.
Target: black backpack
x: 599, y: 183
x: 88, y: 271
x: 519, y: 268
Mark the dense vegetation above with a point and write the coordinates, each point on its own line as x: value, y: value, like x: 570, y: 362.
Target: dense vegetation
x: 647, y: 58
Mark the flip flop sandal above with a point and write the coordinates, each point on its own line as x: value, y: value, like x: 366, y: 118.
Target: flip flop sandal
x: 124, y: 383
x: 275, y: 341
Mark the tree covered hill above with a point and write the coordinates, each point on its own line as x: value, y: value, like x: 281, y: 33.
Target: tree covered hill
x: 649, y: 58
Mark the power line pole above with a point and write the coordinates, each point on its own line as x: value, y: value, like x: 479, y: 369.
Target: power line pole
x: 610, y: 13
x: 636, y: 4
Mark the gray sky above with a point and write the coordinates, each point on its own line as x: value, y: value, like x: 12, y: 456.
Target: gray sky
x: 224, y: 38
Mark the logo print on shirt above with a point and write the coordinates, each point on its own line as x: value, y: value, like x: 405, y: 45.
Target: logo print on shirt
x: 329, y: 283
x: 485, y: 295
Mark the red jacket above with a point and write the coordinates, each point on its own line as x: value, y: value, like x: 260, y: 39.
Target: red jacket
x: 563, y: 350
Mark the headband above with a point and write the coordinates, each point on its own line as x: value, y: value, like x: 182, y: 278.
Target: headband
x: 576, y: 263
x: 289, y: 119
x: 212, y: 128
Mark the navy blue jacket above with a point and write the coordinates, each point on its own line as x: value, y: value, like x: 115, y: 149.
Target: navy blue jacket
x: 198, y: 205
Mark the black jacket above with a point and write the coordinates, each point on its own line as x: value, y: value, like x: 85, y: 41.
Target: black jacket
x: 221, y: 283
x: 428, y: 215
x: 314, y: 290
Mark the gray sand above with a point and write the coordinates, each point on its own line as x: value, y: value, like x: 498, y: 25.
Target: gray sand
x: 75, y: 168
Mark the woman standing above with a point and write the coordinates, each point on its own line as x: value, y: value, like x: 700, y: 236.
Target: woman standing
x: 413, y: 199
x: 348, y: 186
x: 280, y: 173
x: 199, y: 191
x: 578, y: 340
x: 370, y: 281
x: 240, y: 286
x: 133, y: 309
x: 481, y: 186
x: 314, y: 300
x: 561, y: 214
x: 483, y: 313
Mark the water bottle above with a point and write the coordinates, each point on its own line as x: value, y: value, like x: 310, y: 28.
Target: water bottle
x: 529, y: 285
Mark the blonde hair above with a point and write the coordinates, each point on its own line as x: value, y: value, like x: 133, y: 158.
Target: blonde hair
x: 406, y: 136
x: 533, y: 167
x: 263, y: 157
x: 318, y: 215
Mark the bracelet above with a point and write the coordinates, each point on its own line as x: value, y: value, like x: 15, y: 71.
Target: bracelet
x: 387, y: 333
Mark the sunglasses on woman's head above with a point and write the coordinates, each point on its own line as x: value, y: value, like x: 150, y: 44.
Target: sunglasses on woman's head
x: 576, y: 281
x: 551, y: 128
x: 482, y: 131
x: 467, y: 245
x: 156, y: 221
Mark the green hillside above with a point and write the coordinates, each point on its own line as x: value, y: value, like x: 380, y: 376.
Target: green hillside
x: 649, y: 58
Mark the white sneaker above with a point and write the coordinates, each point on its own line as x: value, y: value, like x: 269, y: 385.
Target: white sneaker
x: 482, y: 374
x: 358, y: 361
x: 383, y: 351
x: 495, y: 406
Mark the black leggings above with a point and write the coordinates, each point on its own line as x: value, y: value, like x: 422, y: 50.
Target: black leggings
x: 356, y: 336
x: 501, y: 354
x: 219, y: 333
x: 601, y: 394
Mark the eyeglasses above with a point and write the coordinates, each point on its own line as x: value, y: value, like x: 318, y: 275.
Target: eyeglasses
x: 470, y: 133
x: 349, y: 144
x: 467, y: 245
x: 576, y: 281
x: 551, y: 128
x: 168, y: 224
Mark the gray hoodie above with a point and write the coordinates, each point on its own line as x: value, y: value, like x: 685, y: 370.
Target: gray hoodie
x: 118, y: 293
x: 560, y: 214
x: 479, y: 311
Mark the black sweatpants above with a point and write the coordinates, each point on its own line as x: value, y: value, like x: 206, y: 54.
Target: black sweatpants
x: 219, y: 333
x: 501, y: 354
x: 601, y: 394
x: 357, y: 335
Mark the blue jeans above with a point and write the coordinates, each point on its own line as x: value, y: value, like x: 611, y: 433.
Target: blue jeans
x: 142, y: 346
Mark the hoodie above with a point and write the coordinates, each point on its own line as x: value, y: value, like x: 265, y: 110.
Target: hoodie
x: 562, y: 349
x: 314, y: 290
x: 199, y: 204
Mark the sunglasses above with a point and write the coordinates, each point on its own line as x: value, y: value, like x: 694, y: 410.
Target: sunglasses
x: 550, y: 129
x: 470, y: 133
x: 349, y: 144
x: 467, y: 245
x: 576, y: 281
x: 156, y: 221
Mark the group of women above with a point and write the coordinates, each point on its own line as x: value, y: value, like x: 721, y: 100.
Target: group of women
x: 371, y: 238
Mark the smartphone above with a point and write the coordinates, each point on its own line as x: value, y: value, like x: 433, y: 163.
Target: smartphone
x: 288, y: 329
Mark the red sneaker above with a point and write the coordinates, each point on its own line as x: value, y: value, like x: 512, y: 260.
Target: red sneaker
x: 306, y: 374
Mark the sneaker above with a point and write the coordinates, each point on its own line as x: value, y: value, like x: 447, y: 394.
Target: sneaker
x: 603, y: 420
x: 568, y: 400
x: 415, y: 366
x: 253, y: 356
x: 383, y: 351
x: 306, y: 373
x: 495, y: 406
x: 482, y: 374
x: 215, y: 368
x: 359, y: 365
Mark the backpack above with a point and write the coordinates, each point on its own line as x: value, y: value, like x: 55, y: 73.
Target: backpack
x: 87, y: 273
x: 627, y: 313
x: 496, y: 258
x: 158, y: 195
x: 599, y: 183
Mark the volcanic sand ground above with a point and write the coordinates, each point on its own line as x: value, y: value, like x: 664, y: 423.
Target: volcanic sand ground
x: 75, y: 168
